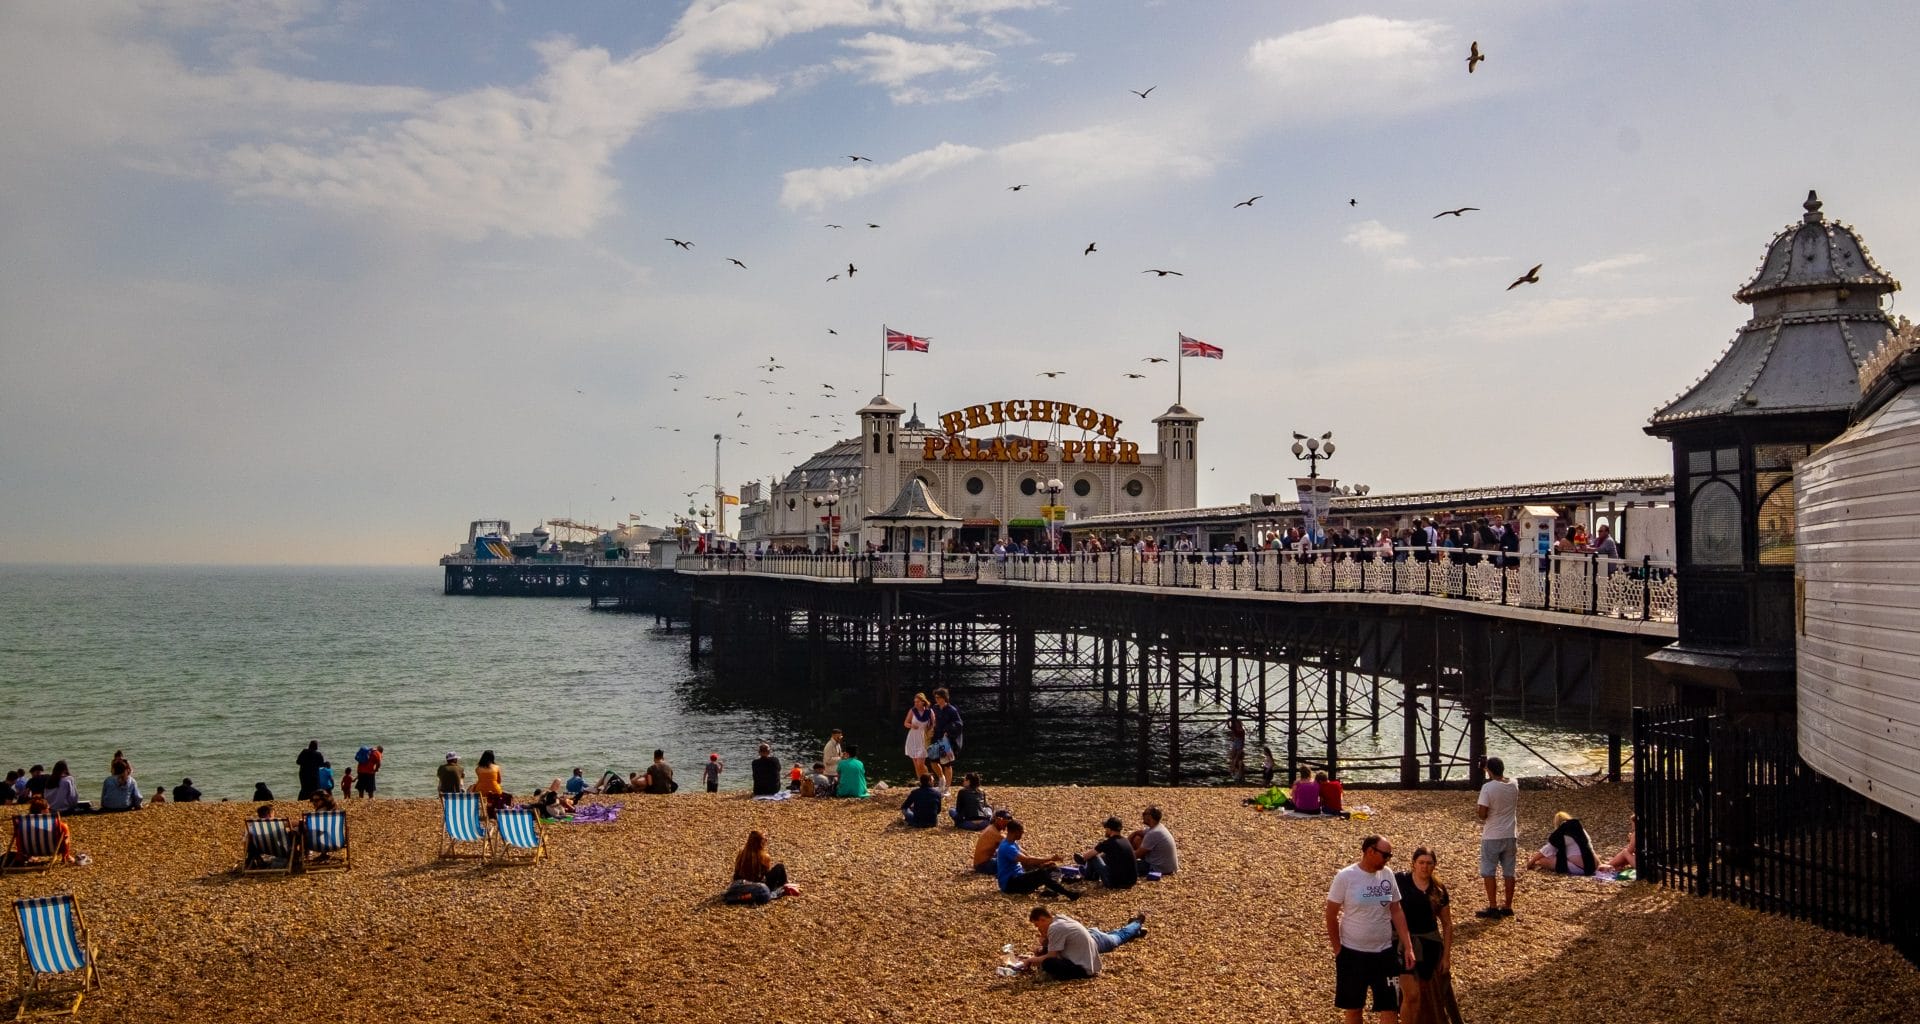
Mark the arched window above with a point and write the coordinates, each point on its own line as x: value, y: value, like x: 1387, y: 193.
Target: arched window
x: 1715, y: 511
x: 975, y: 485
x: 1083, y: 487
x: 876, y: 442
x: 1029, y: 487
x: 1776, y: 524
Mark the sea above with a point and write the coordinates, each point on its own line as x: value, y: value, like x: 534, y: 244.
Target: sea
x: 224, y: 674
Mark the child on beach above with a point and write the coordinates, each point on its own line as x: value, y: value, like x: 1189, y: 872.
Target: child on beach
x: 795, y: 777
x: 346, y: 784
x: 713, y: 772
x: 326, y: 776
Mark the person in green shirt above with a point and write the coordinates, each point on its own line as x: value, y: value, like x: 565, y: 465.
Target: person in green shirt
x: 853, y: 774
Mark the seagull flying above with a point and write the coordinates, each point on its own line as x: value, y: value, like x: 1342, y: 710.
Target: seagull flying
x: 1164, y: 273
x: 835, y: 277
x: 832, y: 331
x: 836, y: 225
x: 829, y: 387
x: 1143, y: 95
x: 1154, y: 359
x: 1456, y: 213
x: 1089, y: 250
x: 1134, y: 376
x: 678, y: 376
x: 1474, y: 56
x: 736, y: 263
x: 852, y: 270
x: 872, y: 225
x: 857, y: 159
x: 1248, y: 203
x: 1015, y: 188
x: 1530, y: 277
x: 1049, y: 374
x: 683, y: 245
x: 1353, y: 202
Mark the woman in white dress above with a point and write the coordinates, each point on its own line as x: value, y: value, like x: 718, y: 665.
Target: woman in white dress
x: 919, y: 724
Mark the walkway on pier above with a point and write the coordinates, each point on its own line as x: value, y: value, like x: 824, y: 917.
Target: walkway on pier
x: 1585, y: 591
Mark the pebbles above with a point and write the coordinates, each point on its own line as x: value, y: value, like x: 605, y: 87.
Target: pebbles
x: 623, y: 922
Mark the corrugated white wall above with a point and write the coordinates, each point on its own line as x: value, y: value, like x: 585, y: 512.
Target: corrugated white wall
x: 1858, y: 560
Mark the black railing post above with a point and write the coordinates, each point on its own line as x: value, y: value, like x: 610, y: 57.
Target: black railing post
x: 1593, y: 583
x: 1646, y: 587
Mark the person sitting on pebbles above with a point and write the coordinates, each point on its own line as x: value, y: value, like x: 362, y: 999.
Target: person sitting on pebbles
x: 1153, y: 845
x: 756, y: 878
x: 988, y: 842
x: 1069, y: 950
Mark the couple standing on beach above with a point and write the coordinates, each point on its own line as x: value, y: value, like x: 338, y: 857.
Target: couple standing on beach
x: 934, y: 733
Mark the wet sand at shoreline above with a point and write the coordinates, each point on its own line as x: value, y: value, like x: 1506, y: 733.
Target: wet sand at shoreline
x: 623, y: 921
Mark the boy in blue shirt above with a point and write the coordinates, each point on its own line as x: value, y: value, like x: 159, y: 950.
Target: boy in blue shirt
x: 1019, y: 874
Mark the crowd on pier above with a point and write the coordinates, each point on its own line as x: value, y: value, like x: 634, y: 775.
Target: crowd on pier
x: 1390, y: 934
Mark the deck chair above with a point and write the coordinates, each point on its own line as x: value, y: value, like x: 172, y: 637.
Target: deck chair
x: 520, y: 839
x: 463, y: 817
x: 325, y: 832
x: 53, y: 942
x: 269, y: 849
x: 33, y: 843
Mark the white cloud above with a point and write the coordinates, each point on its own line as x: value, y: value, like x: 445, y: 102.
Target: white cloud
x: 1373, y: 236
x: 1447, y: 263
x: 1558, y: 316
x: 1359, y: 64
x: 1056, y: 57
x: 814, y: 187
x: 1612, y: 264
x: 986, y: 85
x: 893, y: 61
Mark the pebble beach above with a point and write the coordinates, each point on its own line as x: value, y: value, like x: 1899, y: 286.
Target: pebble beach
x: 623, y: 921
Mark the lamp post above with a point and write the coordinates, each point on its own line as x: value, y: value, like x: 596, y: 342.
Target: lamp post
x: 1311, y: 450
x: 1053, y: 487
x: 829, y: 503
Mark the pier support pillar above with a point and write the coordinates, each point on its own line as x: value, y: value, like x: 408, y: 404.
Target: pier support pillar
x: 1293, y: 721
x: 1409, y: 734
x: 1145, y: 663
x: 1173, y: 717
x: 1336, y: 684
x: 1613, y: 757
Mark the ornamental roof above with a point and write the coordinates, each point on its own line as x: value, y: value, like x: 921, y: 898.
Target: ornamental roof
x: 1816, y: 319
x: 914, y: 505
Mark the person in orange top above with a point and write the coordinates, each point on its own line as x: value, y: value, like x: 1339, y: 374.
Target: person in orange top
x: 1331, y: 793
x: 486, y: 782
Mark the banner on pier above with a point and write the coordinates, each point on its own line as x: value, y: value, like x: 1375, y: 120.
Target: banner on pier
x: 1316, y: 497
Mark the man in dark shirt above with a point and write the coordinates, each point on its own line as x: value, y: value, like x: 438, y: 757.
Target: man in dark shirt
x: 184, y: 793
x: 1111, y: 861
x: 309, y: 761
x: 921, y: 809
x: 946, y: 738
x: 766, y: 772
x: 38, y: 781
x: 660, y: 774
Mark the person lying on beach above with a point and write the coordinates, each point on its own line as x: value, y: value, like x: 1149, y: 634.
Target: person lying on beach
x: 970, y: 808
x: 550, y: 804
x: 853, y: 774
x: 1153, y: 846
x: 1111, y: 861
x: 921, y: 808
x: 756, y: 878
x: 1020, y: 874
x: 988, y: 842
x: 37, y: 804
x: 1568, y: 851
x: 1069, y: 950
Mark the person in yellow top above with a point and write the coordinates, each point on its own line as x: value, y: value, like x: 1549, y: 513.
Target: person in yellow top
x: 486, y: 782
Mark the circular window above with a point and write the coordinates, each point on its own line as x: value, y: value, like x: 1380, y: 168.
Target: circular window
x: 1083, y: 487
x: 1029, y: 487
x: 792, y: 504
x: 975, y: 485
x: 1134, y: 487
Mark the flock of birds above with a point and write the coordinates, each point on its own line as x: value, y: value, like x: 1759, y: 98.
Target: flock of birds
x: 811, y: 424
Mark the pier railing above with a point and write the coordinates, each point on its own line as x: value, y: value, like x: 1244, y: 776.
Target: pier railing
x: 1578, y: 584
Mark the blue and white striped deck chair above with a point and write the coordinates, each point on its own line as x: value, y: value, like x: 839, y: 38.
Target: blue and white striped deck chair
x: 33, y: 843
x: 269, y: 847
x: 53, y: 942
x: 461, y: 814
x: 325, y: 832
x: 520, y: 838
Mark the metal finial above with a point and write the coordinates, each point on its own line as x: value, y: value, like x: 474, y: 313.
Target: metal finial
x: 1812, y: 206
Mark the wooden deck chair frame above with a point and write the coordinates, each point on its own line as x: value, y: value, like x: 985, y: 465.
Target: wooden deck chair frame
x: 510, y: 853
x: 246, y: 849
x: 450, y: 847
x: 30, y: 861
x: 341, y: 858
x: 35, y: 983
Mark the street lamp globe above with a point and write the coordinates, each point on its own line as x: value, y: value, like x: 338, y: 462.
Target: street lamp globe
x: 1299, y: 449
x: 1327, y: 449
x: 1055, y: 485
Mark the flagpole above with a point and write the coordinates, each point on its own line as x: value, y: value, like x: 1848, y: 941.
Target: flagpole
x: 1179, y: 371
x: 883, y: 360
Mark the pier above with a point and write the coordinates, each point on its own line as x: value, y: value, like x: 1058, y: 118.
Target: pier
x: 486, y: 577
x: 1306, y: 651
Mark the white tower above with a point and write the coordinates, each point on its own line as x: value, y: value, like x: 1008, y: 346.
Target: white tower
x: 879, y: 463
x: 1178, y: 429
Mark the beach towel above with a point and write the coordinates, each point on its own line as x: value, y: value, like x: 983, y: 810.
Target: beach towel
x: 785, y: 794
x: 595, y: 814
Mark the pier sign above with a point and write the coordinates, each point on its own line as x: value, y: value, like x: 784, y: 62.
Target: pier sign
x: 955, y: 446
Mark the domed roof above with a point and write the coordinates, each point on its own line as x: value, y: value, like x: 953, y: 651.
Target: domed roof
x: 1815, y: 253
x: 1817, y: 317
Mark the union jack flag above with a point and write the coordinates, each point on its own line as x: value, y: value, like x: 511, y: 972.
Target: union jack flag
x: 901, y: 342
x: 1200, y: 349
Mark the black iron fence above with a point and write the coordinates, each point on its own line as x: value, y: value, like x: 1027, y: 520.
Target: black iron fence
x: 1730, y: 810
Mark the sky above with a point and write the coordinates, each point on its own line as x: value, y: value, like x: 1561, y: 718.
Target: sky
x: 317, y: 283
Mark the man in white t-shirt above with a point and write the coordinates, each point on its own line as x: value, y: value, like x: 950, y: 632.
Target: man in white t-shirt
x: 1499, y: 811
x: 1363, y: 920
